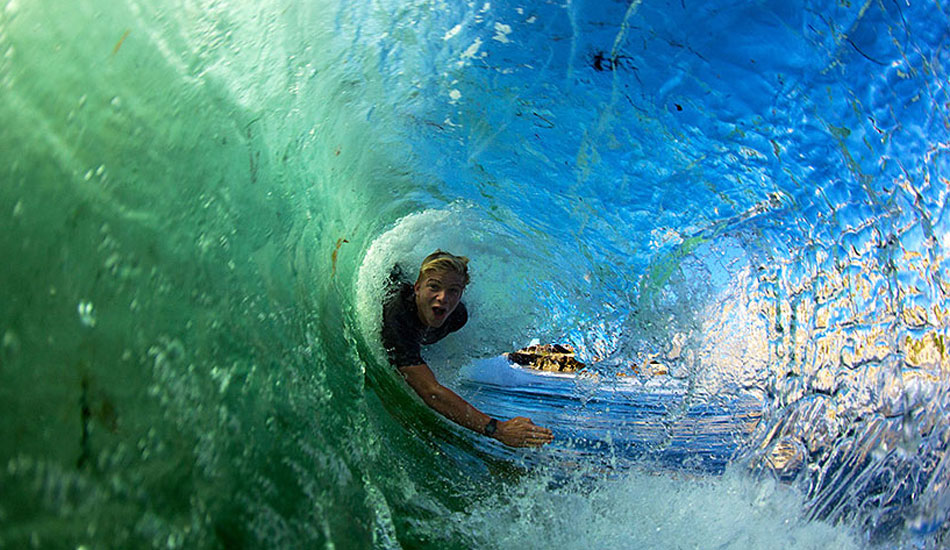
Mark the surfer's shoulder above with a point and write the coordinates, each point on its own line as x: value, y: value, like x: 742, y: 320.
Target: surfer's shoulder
x: 459, y: 317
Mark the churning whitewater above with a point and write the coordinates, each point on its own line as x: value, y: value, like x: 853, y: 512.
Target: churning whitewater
x: 735, y: 214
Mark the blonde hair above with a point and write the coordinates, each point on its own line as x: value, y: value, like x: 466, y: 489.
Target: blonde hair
x: 441, y: 262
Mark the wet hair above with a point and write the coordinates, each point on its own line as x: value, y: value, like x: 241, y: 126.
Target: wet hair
x: 441, y: 262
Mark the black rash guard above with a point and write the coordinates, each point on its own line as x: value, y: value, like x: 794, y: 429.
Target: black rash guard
x: 403, y: 333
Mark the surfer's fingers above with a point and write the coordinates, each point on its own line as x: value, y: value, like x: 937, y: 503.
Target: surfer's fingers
x: 540, y: 438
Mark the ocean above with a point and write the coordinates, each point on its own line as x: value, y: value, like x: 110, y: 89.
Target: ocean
x: 736, y: 213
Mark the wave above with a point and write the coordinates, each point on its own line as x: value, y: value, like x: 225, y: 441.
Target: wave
x: 202, y: 199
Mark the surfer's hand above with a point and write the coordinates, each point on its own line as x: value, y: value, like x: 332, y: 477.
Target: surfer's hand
x: 521, y: 432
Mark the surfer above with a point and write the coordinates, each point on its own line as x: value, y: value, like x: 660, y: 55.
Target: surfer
x: 425, y: 312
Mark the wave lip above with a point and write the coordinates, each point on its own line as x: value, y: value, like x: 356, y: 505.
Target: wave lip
x: 201, y: 201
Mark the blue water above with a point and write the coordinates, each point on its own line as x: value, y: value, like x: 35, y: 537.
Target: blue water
x: 200, y: 201
x: 621, y: 424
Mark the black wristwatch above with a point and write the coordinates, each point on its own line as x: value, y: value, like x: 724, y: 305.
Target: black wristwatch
x: 490, y: 428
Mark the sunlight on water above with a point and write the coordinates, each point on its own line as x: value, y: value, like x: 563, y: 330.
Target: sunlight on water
x: 736, y: 214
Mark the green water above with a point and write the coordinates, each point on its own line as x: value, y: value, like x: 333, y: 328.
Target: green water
x: 187, y: 192
x: 199, y: 200
x: 193, y: 209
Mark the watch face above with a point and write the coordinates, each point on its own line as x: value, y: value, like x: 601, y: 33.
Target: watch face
x: 491, y: 426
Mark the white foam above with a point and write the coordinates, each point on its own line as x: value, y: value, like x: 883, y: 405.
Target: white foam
x: 649, y: 510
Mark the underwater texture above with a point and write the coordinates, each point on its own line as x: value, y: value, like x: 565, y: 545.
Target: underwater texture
x: 200, y: 201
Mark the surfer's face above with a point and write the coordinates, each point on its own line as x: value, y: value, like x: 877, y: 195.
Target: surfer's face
x: 437, y: 296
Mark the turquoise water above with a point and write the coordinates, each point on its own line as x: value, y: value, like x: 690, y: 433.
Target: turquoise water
x: 200, y: 200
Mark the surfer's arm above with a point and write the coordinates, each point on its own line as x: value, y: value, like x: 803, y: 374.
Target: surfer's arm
x: 517, y: 432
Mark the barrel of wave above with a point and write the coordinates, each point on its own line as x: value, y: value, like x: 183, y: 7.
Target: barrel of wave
x: 505, y: 267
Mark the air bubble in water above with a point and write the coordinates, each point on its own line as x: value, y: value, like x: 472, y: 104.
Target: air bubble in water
x: 10, y: 347
x: 87, y: 315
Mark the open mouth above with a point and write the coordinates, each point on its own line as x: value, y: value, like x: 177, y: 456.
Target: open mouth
x: 438, y: 311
